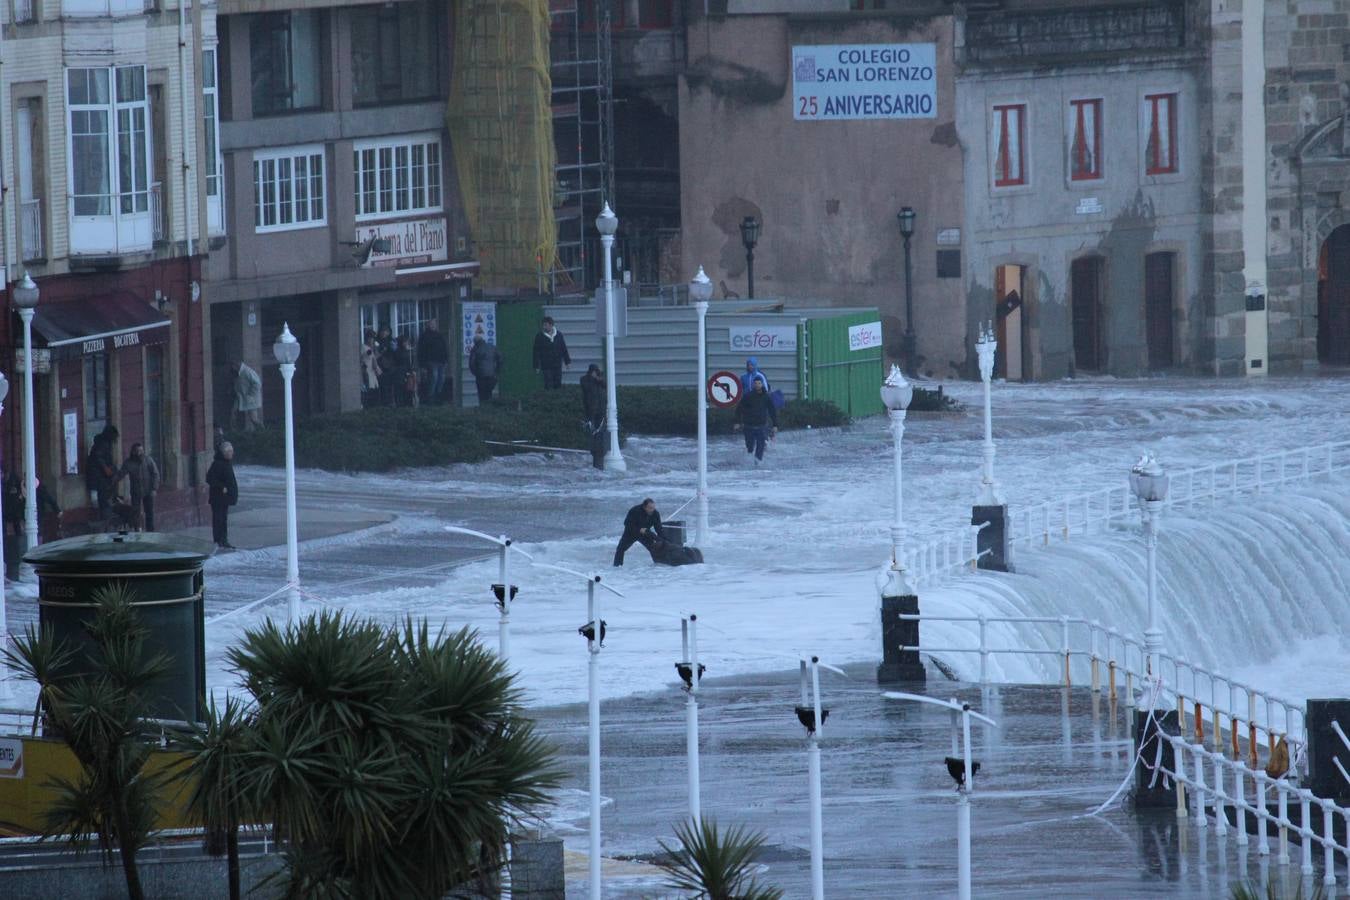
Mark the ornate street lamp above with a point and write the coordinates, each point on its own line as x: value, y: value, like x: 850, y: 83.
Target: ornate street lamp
x: 906, y: 218
x: 750, y: 237
x: 1150, y: 482
x: 700, y: 289
x: 25, y: 295
x: 287, y: 351
x: 607, y: 223
x: 896, y: 394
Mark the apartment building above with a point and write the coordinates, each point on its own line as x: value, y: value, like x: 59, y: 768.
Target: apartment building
x: 340, y: 199
x: 105, y: 116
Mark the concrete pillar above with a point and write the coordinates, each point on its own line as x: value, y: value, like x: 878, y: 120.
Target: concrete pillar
x: 1324, y: 746
x: 897, y: 665
x: 1162, y: 794
x: 342, y: 352
x: 992, y: 540
x: 537, y: 869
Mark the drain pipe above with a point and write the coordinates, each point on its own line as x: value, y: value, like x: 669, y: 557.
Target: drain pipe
x: 189, y: 207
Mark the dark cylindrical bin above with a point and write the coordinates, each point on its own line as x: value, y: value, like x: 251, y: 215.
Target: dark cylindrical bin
x: 673, y: 532
x: 165, y: 574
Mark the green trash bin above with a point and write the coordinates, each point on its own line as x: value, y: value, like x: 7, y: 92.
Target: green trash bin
x: 165, y: 572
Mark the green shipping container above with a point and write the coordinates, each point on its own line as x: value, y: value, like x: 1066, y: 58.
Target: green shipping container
x: 830, y: 369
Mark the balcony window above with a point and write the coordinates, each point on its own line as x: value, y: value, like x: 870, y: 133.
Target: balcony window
x: 284, y: 56
x: 87, y: 8
x: 215, y: 213
x: 109, y: 159
x: 288, y: 189
x: 397, y: 177
x: 395, y: 53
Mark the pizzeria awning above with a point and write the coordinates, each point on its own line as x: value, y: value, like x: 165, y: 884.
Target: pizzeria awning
x: 98, y: 324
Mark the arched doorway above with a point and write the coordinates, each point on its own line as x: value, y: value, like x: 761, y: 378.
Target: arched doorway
x: 1333, y: 298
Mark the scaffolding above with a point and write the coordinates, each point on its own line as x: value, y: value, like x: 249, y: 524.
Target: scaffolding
x: 500, y: 124
x: 583, y: 133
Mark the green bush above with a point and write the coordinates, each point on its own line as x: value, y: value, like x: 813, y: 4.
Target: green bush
x: 934, y: 401
x: 382, y: 439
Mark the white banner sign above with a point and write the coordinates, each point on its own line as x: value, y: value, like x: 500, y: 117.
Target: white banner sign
x: 42, y: 361
x: 764, y: 339
x: 864, y: 337
x: 11, y: 758
x: 864, y: 81
x: 70, y: 421
x: 410, y: 243
x: 480, y: 320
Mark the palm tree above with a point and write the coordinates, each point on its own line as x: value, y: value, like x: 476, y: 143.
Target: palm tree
x: 216, y: 753
x: 716, y: 865
x: 390, y: 762
x: 96, y: 702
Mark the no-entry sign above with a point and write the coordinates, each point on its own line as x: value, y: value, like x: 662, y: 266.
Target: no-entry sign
x: 724, y: 389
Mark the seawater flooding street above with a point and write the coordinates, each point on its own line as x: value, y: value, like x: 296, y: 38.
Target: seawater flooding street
x: 792, y: 568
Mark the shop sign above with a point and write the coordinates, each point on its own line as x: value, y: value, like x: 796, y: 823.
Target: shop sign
x: 405, y: 243
x: 70, y: 421
x: 764, y: 339
x: 42, y: 361
x: 864, y: 337
x: 11, y: 758
x: 117, y: 341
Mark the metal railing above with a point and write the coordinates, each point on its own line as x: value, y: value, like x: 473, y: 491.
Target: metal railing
x: 1097, y: 510
x: 1345, y: 742
x: 1188, y: 774
x: 1213, y: 700
x: 30, y: 229
x: 157, y: 211
x: 946, y: 554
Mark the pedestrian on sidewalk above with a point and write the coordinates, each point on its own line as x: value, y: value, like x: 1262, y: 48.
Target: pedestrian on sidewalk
x: 406, y: 386
x: 224, y: 490
x: 100, y: 470
x: 752, y: 374
x: 593, y: 408
x: 13, y: 509
x: 248, y: 396
x: 143, y: 479
x: 370, y: 370
x: 642, y: 526
x: 550, y: 354
x: 485, y: 363
x: 433, y: 353
x: 758, y: 418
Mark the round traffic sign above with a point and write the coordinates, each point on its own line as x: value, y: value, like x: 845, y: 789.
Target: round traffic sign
x: 724, y: 389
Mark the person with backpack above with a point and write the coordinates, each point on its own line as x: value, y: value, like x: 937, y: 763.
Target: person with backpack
x: 757, y: 417
x: 485, y: 364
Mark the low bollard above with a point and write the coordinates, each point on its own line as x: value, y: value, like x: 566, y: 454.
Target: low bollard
x: 1151, y: 793
x: 899, y: 665
x: 1326, y: 746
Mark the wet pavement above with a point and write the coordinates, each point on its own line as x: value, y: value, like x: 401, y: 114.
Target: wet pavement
x: 889, y: 805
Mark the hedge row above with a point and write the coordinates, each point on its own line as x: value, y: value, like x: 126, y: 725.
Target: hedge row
x: 384, y: 439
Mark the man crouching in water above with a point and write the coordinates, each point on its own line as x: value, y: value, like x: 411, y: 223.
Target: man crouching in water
x: 642, y: 526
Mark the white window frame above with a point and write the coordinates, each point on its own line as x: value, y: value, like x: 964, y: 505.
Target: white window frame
x: 283, y: 166
x: 215, y: 171
x: 381, y: 185
x: 100, y: 8
x: 117, y: 230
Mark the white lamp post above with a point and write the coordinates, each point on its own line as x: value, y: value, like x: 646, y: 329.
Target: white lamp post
x: 700, y: 289
x: 1149, y: 483
x: 985, y: 348
x: 691, y: 672
x: 287, y: 351
x: 5, y: 693
x: 25, y: 295
x: 963, y: 770
x: 504, y: 592
x: 812, y: 717
x: 607, y: 223
x: 896, y: 394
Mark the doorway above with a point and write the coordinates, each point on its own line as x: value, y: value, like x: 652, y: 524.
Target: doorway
x: 1333, y: 298
x: 1086, y: 280
x: 1158, y: 307
x: 1012, y: 324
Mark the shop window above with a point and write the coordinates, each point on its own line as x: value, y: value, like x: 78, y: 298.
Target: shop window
x: 288, y: 189
x: 109, y: 119
x: 1085, y: 147
x: 96, y: 393
x: 1160, y: 153
x: 395, y: 52
x: 1009, y: 141
x: 393, y: 177
x: 284, y: 57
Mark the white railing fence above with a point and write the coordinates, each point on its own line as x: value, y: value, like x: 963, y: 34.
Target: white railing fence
x: 157, y: 211
x: 1097, y: 510
x: 1206, y: 701
x: 947, y: 554
x: 1245, y: 789
x: 30, y: 229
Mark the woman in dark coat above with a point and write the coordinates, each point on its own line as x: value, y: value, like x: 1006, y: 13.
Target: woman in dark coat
x: 224, y: 490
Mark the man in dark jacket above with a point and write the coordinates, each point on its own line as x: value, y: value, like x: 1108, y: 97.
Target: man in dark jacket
x: 100, y: 470
x: 642, y: 526
x: 593, y: 401
x: 143, y: 478
x: 224, y: 490
x: 757, y: 417
x: 550, y: 354
x: 433, y: 353
x: 485, y: 363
